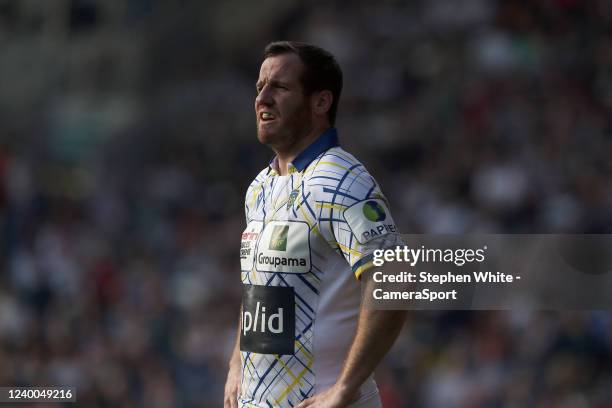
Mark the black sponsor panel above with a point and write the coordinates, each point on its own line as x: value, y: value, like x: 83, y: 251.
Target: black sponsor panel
x: 268, y: 319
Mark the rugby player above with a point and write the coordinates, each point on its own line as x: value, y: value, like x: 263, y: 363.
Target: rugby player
x: 314, y: 218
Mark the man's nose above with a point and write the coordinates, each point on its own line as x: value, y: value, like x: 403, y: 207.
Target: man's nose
x: 263, y: 97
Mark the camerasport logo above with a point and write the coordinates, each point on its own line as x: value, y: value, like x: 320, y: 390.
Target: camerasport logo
x: 268, y: 319
x: 247, y: 245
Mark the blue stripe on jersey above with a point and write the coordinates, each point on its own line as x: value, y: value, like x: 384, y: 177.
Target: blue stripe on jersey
x: 324, y: 177
x: 308, y: 316
x: 264, y: 376
x: 279, y: 372
x: 330, y: 190
x: 362, y: 261
x: 315, y: 290
x: 307, y: 394
x: 305, y: 201
x: 304, y: 330
x: 340, y: 157
x: 273, y: 275
x: 263, y: 201
x: 296, y: 294
x: 332, y: 219
x: 246, y: 357
x: 370, y: 190
x: 304, y: 302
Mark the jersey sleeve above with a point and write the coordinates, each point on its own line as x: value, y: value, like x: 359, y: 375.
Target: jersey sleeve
x: 354, y: 215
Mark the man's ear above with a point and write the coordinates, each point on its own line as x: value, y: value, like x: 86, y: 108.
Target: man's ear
x: 322, y: 101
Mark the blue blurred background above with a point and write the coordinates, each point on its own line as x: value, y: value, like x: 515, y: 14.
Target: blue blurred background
x: 127, y: 141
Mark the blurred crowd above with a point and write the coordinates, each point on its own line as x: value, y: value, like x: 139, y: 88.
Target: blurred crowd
x: 127, y: 141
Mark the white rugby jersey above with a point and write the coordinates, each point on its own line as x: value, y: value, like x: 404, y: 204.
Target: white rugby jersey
x: 309, y: 235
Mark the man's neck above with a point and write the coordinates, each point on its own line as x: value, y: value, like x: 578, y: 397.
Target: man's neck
x: 283, y: 158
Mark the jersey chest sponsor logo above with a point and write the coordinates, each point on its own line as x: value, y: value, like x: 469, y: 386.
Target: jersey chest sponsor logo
x: 278, y: 239
x: 369, y: 219
x: 284, y: 246
x: 268, y: 319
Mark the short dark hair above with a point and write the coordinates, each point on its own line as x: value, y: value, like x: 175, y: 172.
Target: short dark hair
x: 321, y: 69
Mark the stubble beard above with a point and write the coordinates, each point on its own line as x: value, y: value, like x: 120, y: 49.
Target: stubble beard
x: 289, y: 134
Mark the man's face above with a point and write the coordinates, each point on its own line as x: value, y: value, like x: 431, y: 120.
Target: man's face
x: 282, y: 110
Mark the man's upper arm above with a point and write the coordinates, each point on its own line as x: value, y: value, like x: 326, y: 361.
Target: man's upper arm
x: 355, y: 219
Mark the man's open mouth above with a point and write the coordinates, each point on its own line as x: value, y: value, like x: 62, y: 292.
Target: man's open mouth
x: 267, y: 116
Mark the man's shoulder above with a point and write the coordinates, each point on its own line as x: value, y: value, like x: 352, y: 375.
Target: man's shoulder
x: 259, y: 178
x: 338, y: 156
x: 337, y: 167
x: 255, y: 188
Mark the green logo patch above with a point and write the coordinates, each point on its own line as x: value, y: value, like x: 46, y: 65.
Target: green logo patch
x: 292, y: 198
x: 278, y: 239
x: 374, y: 211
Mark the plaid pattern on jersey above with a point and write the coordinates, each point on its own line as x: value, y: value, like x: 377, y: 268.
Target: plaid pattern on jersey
x: 317, y: 191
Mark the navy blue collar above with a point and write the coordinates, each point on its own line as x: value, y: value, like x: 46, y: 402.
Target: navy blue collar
x: 326, y: 141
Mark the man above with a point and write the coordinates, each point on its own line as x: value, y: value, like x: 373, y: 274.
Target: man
x: 314, y: 217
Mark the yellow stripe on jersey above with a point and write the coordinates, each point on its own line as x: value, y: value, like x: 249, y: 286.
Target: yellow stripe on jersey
x: 255, y: 194
x: 363, y: 268
x: 287, y: 369
x: 332, y: 206
x: 301, y: 347
x: 249, y: 365
x: 333, y: 164
x: 306, y: 219
x: 311, y: 224
x: 345, y: 156
x: 279, y: 206
x: 293, y: 384
x: 351, y: 251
